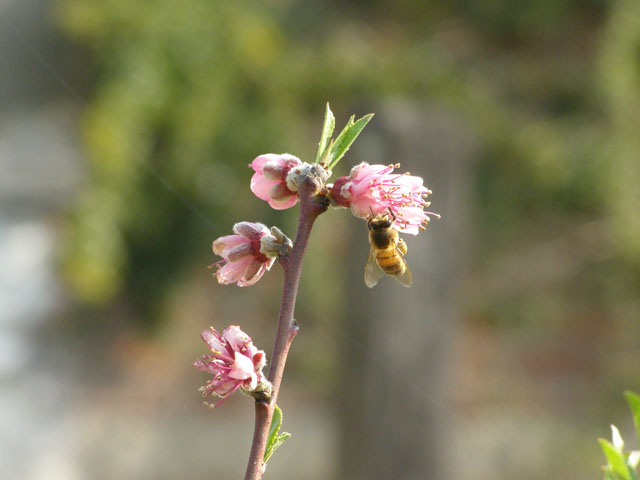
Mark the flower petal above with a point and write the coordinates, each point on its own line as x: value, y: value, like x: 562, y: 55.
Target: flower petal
x: 242, y: 250
x: 212, y: 338
x: 251, y: 278
x: 242, y: 368
x: 223, y: 244
x: 259, y: 161
x: 236, y: 337
x: 250, y: 230
x: 232, y: 271
x: 262, y: 186
x: 280, y: 192
x: 284, y: 204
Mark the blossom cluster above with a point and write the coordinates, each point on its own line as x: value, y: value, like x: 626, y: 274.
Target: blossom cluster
x: 252, y: 249
x: 368, y: 190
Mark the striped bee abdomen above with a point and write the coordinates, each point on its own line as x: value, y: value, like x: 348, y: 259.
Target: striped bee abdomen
x: 390, y: 262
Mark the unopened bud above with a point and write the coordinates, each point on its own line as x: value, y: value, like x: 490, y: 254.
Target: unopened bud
x: 277, y: 244
x: 315, y: 172
x: 263, y: 391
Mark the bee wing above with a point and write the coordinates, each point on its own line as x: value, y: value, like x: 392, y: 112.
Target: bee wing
x: 406, y: 279
x: 372, y: 271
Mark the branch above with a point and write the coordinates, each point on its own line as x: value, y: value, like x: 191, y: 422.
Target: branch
x: 311, y: 205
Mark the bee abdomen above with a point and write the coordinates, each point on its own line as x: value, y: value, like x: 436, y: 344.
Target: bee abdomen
x: 390, y: 263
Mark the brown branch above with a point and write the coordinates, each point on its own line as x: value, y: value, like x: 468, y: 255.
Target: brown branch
x: 311, y: 205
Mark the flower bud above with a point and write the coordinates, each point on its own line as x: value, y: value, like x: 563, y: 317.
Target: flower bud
x: 243, y: 262
x: 269, y: 180
x: 275, y: 245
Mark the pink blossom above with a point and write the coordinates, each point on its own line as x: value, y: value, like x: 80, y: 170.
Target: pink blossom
x: 243, y: 260
x: 269, y: 183
x: 234, y: 361
x: 374, y: 189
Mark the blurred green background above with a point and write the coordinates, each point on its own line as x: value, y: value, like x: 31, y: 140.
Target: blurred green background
x: 170, y: 101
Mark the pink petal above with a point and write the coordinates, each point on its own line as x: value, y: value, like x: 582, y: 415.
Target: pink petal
x: 250, y: 230
x: 259, y: 360
x: 212, y: 338
x: 236, y: 337
x: 242, y: 368
x: 222, y: 245
x: 414, y: 215
x: 262, y: 186
x: 253, y: 383
x: 252, y: 269
x: 275, y: 171
x: 284, y: 204
x: 232, y: 271
x: 269, y: 263
x: 356, y: 169
x: 360, y: 187
x: 259, y: 161
x: 410, y: 229
x: 280, y: 192
x: 222, y: 389
x: 237, y: 252
x: 416, y: 183
x: 290, y: 161
x: 363, y: 206
x: 204, y: 366
x: 247, y: 281
x: 371, y: 170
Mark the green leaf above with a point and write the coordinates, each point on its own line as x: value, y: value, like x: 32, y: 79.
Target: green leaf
x: 275, y: 438
x: 634, y: 403
x: 327, y: 131
x: 276, y: 423
x: 280, y: 439
x: 617, y: 464
x: 342, y: 143
x: 608, y: 474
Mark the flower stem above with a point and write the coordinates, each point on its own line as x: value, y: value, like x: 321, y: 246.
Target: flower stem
x: 311, y: 206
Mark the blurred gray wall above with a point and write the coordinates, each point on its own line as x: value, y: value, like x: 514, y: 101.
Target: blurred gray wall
x: 39, y: 171
x: 394, y: 390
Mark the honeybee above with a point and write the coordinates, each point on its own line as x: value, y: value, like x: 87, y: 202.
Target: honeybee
x: 387, y: 250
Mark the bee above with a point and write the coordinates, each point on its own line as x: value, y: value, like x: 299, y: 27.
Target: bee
x: 387, y: 250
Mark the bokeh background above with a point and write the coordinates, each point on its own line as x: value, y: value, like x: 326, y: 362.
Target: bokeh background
x: 126, y: 128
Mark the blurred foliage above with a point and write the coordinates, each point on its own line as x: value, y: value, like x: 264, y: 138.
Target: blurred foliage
x: 621, y: 465
x: 188, y: 93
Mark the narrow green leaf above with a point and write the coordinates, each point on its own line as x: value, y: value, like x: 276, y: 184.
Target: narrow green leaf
x: 608, y: 474
x: 280, y: 439
x: 617, y: 464
x: 343, y: 141
x: 634, y: 403
x: 327, y: 131
x: 276, y: 423
x: 275, y: 438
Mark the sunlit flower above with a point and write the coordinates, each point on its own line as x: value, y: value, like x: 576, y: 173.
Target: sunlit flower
x: 373, y: 189
x: 269, y: 183
x: 234, y: 361
x: 244, y: 261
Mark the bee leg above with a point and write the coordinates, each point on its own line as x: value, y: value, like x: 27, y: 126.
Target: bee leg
x: 402, y: 247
